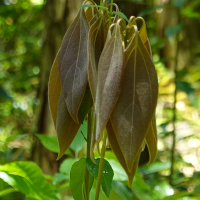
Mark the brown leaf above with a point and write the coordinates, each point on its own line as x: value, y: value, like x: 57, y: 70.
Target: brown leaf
x: 136, y: 105
x: 65, y: 126
x: 151, y: 141
x: 73, y: 61
x: 54, y: 88
x: 94, y: 53
x: 110, y: 74
x: 118, y: 153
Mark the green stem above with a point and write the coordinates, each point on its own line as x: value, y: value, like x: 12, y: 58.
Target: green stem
x: 110, y: 14
x: 101, y: 164
x: 174, y: 106
x: 87, y: 174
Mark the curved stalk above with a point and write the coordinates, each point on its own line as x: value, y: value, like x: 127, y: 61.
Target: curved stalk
x: 101, y: 164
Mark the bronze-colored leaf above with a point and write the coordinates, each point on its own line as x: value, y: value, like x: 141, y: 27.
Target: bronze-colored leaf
x: 151, y: 141
x: 118, y: 153
x: 73, y: 61
x: 94, y: 53
x: 54, y: 88
x: 110, y: 75
x: 136, y: 105
x: 65, y: 126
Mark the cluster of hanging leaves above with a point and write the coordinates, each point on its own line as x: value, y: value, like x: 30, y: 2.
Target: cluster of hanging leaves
x: 105, y: 66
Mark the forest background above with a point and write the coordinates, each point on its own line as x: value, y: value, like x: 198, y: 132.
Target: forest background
x: 31, y: 32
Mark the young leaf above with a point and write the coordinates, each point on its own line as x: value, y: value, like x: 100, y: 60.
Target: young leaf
x: 77, y: 178
x: 133, y: 112
x: 66, y: 127
x: 118, y: 153
x: 95, y: 46
x: 110, y: 74
x: 107, y: 176
x: 151, y: 140
x: 73, y: 61
x: 54, y: 88
x: 122, y: 15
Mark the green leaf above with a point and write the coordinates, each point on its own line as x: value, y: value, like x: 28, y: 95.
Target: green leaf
x: 50, y: 143
x: 164, y: 189
x: 27, y: 178
x: 7, y: 191
x: 122, y: 15
x: 119, y: 174
x: 142, y: 190
x: 107, y: 176
x: 79, y: 141
x: 66, y: 166
x: 123, y: 191
x: 155, y: 167
x: 151, y: 10
x: 77, y: 178
x: 172, y: 30
x: 185, y: 87
x: 179, y: 3
x: 58, y: 177
x: 4, y: 95
x: 96, y: 6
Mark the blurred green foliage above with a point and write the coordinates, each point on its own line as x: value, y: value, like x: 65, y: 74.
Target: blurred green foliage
x: 21, y: 28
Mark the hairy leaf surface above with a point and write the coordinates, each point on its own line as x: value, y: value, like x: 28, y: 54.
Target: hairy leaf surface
x: 73, y: 61
x: 134, y: 110
x: 110, y: 75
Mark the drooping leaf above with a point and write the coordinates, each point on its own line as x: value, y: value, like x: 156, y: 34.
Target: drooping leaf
x: 118, y: 153
x: 86, y: 104
x: 77, y: 178
x: 110, y: 75
x: 27, y: 178
x: 151, y: 140
x: 107, y: 175
x: 95, y: 46
x: 54, y: 89
x: 73, y: 61
x: 66, y: 127
x: 134, y: 111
